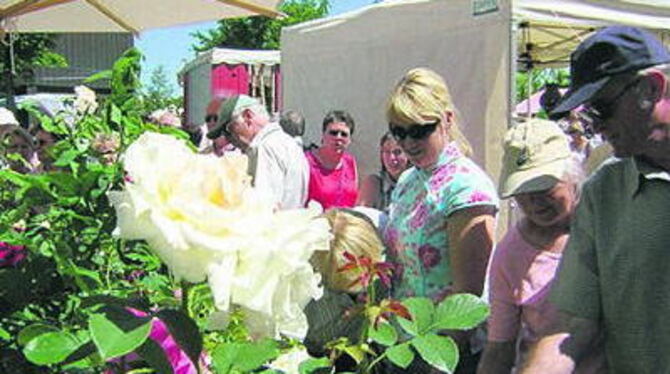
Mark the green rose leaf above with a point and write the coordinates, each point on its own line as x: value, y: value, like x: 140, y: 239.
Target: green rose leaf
x: 439, y: 351
x: 184, y: 331
x: 224, y: 357
x: 31, y: 332
x: 253, y: 355
x: 82, y: 357
x: 384, y: 334
x: 244, y: 356
x: 111, y: 340
x: 313, y: 364
x: 356, y: 352
x: 155, y: 356
x: 400, y: 355
x: 422, y: 310
x: 4, y: 334
x: 50, y: 348
x: 460, y: 312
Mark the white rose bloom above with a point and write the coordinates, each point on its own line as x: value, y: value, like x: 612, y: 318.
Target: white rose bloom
x: 204, y: 220
x: 85, y: 101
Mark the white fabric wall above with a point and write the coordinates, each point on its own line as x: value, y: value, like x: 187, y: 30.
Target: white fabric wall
x: 200, y: 78
x: 352, y: 62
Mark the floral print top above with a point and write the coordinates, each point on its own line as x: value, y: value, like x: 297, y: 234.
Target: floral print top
x: 421, y: 204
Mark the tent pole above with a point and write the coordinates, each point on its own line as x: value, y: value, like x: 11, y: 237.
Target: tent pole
x: 9, y: 74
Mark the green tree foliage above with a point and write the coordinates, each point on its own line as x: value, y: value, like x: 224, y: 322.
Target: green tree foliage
x: 539, y: 79
x: 28, y: 52
x: 158, y: 93
x: 259, y: 32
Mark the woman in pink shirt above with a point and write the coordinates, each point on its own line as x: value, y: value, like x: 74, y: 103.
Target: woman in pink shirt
x: 543, y: 176
x: 333, y: 176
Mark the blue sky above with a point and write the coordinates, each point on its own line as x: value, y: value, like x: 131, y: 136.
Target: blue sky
x: 172, y: 47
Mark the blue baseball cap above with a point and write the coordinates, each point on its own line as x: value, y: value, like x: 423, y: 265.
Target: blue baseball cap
x: 609, y: 52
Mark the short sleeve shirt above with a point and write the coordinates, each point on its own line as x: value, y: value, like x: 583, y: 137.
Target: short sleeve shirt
x: 278, y: 166
x: 416, y: 232
x: 333, y: 188
x: 615, y: 267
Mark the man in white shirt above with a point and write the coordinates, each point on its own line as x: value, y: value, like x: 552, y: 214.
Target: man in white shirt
x: 276, y: 163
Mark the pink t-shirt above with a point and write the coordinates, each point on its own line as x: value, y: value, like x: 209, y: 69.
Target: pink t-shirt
x: 520, y: 280
x: 333, y: 188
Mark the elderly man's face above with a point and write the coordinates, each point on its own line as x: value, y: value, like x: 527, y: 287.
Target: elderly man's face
x: 240, y: 129
x: 620, y: 118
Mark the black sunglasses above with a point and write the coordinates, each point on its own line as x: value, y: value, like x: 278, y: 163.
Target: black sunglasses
x: 341, y: 133
x: 416, y: 131
x: 219, y: 131
x: 600, y: 111
x: 211, y: 117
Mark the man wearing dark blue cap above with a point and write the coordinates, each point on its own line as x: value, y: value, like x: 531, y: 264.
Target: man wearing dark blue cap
x: 614, y: 279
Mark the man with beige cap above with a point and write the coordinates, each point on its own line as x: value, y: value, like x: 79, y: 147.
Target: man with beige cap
x: 276, y: 162
x: 614, y: 278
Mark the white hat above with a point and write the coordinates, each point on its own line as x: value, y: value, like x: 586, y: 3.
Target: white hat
x: 7, y: 117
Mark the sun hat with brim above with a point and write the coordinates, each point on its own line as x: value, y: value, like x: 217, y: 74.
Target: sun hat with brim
x: 535, y: 156
x: 610, y: 52
x: 225, y: 113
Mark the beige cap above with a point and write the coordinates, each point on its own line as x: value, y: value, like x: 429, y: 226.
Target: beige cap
x: 535, y: 157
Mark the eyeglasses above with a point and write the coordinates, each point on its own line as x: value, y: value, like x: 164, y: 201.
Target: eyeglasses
x: 601, y: 110
x: 219, y: 131
x: 211, y: 117
x: 416, y: 131
x: 341, y: 133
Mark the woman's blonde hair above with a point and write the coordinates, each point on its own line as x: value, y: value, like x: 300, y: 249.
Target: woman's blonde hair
x: 354, y: 233
x: 420, y: 96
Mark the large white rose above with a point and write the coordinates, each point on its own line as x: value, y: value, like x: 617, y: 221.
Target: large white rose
x: 204, y: 220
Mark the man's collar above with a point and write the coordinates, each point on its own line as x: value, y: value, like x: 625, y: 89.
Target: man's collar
x: 641, y: 170
x: 266, y: 130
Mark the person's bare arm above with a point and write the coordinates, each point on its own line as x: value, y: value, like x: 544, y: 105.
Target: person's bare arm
x: 470, y: 233
x: 471, y: 237
x: 561, y: 349
x: 368, y: 195
x: 498, y: 358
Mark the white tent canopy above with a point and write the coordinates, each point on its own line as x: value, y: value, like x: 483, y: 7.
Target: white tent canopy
x: 549, y: 30
x: 352, y: 61
x: 122, y: 15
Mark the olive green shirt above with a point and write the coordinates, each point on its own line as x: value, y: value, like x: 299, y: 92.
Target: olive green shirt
x: 616, y: 267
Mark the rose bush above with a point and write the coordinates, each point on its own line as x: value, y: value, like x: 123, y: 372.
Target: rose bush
x: 201, y: 216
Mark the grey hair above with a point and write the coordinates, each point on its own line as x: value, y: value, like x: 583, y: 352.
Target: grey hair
x: 257, y: 108
x: 574, y: 172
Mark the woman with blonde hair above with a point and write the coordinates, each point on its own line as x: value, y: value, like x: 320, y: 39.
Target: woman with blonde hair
x: 440, y: 229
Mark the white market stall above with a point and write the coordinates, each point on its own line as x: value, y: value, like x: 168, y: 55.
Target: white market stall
x: 549, y: 30
x: 352, y: 61
x: 223, y: 72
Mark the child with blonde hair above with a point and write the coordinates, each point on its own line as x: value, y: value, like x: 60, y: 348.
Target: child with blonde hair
x: 355, y: 234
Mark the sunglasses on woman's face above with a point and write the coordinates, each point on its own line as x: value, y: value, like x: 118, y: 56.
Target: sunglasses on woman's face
x: 336, y: 133
x: 211, y: 117
x: 416, y: 131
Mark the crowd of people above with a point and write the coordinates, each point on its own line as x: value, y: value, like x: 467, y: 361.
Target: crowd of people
x: 577, y: 284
